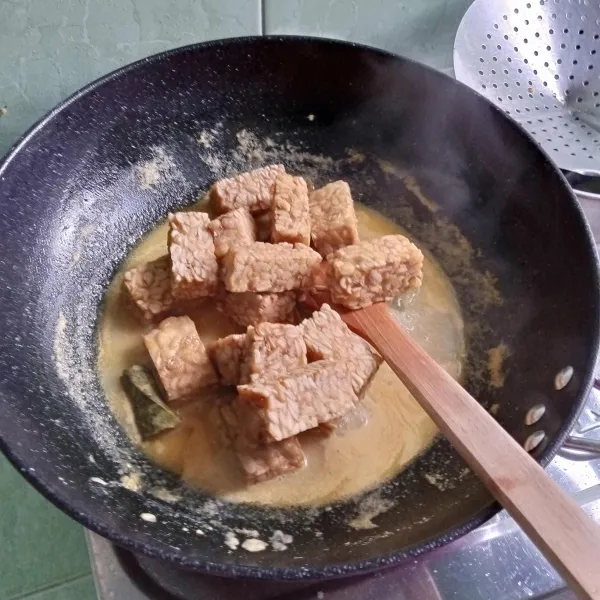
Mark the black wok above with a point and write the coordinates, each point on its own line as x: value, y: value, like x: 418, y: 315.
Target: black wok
x: 467, y: 183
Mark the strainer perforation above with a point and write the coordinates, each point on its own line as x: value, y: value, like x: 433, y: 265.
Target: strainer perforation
x: 539, y: 59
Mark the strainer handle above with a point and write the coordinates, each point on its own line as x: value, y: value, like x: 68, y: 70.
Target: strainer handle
x: 581, y: 195
x: 575, y: 180
x: 590, y: 203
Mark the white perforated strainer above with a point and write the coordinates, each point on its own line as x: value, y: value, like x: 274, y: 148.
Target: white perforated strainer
x: 538, y: 60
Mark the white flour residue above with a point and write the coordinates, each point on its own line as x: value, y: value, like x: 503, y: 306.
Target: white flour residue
x: 148, y: 517
x: 251, y: 533
x: 441, y: 482
x: 70, y: 355
x: 253, y: 151
x: 209, y: 509
x: 254, y: 545
x: 210, y: 140
x: 81, y: 240
x: 372, y: 506
x: 165, y: 495
x: 464, y: 473
x: 132, y: 481
x: 60, y: 344
x: 280, y: 541
x: 214, y: 163
x: 256, y: 151
x: 98, y: 480
x: 75, y: 258
x: 231, y: 540
x: 156, y: 170
x: 207, y: 137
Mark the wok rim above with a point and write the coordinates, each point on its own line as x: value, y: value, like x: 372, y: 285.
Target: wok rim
x: 61, y: 501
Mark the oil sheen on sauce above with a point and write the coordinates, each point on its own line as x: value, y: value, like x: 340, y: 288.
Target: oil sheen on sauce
x: 387, y: 432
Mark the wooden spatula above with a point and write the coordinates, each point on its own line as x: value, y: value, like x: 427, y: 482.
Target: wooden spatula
x: 554, y: 522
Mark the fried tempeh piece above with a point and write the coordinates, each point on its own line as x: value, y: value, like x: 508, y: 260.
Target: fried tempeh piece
x: 228, y: 355
x: 252, y: 190
x: 235, y: 228
x: 327, y: 337
x: 195, y: 272
x: 259, y: 462
x: 264, y: 267
x: 374, y: 271
x: 268, y: 348
x: 300, y: 400
x: 264, y: 462
x: 223, y: 419
x: 332, y: 218
x: 273, y: 349
x: 180, y: 359
x: 290, y: 219
x: 251, y: 308
x: 149, y: 286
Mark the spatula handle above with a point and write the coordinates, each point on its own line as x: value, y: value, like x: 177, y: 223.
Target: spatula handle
x: 554, y: 522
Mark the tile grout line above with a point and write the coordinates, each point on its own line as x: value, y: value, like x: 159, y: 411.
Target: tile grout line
x: 263, y: 17
x: 50, y: 586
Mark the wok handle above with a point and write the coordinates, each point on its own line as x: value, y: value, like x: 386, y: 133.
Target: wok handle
x: 555, y: 523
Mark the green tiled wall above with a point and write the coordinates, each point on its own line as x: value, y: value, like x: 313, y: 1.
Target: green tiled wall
x: 42, y: 552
